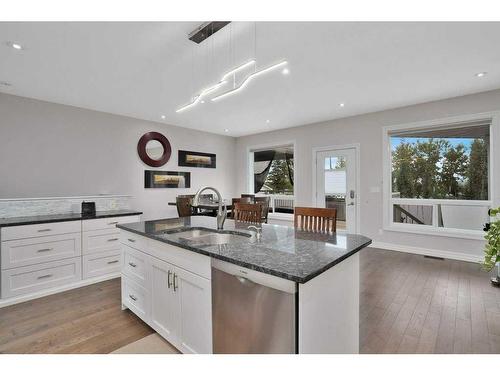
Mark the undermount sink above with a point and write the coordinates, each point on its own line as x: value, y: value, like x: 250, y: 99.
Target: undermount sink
x: 208, y: 237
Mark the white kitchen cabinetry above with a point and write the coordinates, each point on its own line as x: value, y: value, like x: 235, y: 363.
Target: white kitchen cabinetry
x: 42, y: 259
x: 101, y: 245
x: 174, y: 285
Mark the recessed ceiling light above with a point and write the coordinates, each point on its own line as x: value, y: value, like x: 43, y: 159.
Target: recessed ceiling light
x: 163, y: 117
x: 268, y: 121
x: 226, y: 130
x: 202, y: 102
x: 15, y: 45
x: 285, y: 71
x: 342, y: 105
x: 481, y: 74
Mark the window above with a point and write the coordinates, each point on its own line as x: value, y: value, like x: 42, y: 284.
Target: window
x: 440, y: 176
x: 272, y: 174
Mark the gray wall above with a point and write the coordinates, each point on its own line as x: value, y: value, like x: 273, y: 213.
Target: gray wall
x: 49, y: 149
x: 367, y: 131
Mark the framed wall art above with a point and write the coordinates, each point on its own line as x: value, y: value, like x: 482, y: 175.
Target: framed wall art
x: 196, y: 159
x: 167, y: 179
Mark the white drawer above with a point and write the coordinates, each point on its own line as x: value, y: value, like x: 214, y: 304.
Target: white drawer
x: 100, y: 240
x: 101, y: 264
x: 35, y: 278
x: 135, y: 265
x: 25, y: 252
x: 136, y: 298
x: 133, y: 240
x: 38, y: 230
x: 189, y: 260
x: 108, y: 222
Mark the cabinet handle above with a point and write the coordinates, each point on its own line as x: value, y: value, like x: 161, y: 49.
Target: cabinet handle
x: 113, y: 261
x: 113, y: 223
x: 44, y: 230
x: 132, y: 297
x: 44, y: 250
x: 131, y: 240
x: 169, y: 283
x: 44, y: 276
x: 175, y: 282
x: 113, y: 239
x: 132, y: 264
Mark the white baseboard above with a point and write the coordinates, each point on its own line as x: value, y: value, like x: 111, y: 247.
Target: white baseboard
x: 424, y: 251
x: 43, y: 293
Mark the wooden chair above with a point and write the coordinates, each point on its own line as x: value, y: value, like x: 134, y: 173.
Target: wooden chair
x: 248, y: 213
x: 249, y: 197
x: 238, y: 200
x: 184, y: 208
x: 264, y: 201
x: 312, y: 219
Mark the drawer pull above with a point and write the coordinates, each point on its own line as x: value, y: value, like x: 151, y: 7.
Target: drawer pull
x: 113, y: 261
x: 132, y: 297
x: 44, y: 250
x: 132, y: 264
x: 131, y: 239
x: 113, y: 223
x: 113, y: 239
x: 44, y: 276
x: 44, y: 230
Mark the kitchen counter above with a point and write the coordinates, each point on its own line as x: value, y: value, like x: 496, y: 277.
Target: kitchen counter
x: 43, y: 219
x: 281, y: 251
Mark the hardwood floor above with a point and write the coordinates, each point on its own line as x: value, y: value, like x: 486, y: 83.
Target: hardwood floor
x: 408, y: 304
x: 413, y: 304
x: 84, y: 320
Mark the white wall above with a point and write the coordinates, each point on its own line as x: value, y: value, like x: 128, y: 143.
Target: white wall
x: 367, y: 131
x: 49, y: 149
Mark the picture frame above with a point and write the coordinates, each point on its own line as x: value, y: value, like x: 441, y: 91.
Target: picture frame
x: 167, y: 179
x: 196, y: 159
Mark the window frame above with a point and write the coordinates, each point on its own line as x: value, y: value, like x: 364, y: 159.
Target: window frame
x: 388, y: 200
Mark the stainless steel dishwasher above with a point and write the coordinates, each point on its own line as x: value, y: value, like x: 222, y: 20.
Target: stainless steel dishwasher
x: 252, y: 312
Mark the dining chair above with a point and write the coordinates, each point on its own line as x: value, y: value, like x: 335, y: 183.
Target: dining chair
x: 248, y: 212
x: 238, y: 200
x: 249, y: 197
x: 184, y: 208
x: 313, y: 219
x: 264, y: 201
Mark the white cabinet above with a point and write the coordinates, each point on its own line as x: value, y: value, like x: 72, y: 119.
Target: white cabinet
x: 180, y: 300
x: 165, y: 314
x: 194, y: 304
x: 101, y: 245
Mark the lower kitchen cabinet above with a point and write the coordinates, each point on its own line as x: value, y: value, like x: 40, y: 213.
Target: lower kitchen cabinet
x: 180, y: 301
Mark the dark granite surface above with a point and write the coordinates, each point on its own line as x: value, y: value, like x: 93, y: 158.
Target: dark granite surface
x: 282, y: 251
x: 42, y: 219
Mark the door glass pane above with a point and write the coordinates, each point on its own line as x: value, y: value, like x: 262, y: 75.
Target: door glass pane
x: 336, y: 186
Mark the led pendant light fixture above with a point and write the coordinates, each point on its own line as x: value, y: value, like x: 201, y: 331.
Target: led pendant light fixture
x: 232, y: 75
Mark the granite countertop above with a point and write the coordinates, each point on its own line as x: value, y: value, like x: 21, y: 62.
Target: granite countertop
x: 282, y: 251
x: 42, y: 219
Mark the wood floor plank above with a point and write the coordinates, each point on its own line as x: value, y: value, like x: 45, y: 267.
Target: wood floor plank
x: 408, y: 304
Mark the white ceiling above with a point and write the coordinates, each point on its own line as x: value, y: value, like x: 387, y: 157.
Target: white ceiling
x: 146, y: 70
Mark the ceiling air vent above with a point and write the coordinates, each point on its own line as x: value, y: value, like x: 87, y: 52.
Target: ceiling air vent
x: 206, y: 30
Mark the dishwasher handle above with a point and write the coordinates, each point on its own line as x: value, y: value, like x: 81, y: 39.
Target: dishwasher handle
x: 244, y: 280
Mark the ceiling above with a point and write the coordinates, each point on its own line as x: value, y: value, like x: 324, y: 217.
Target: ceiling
x: 146, y: 70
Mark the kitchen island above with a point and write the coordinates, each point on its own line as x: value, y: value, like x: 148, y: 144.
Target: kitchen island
x: 237, y: 291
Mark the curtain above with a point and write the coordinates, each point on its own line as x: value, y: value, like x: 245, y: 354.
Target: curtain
x: 262, y: 164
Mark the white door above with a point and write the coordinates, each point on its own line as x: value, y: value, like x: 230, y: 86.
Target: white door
x: 336, y: 185
x: 195, y: 303
x: 164, y: 302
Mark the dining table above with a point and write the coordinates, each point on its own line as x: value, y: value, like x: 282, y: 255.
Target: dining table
x: 208, y: 206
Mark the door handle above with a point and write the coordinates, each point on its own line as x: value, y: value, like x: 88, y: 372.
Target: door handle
x: 351, y: 204
x: 169, y: 283
x: 175, y: 283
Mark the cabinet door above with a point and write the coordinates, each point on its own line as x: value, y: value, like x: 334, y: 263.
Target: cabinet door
x: 195, y: 310
x: 164, y: 302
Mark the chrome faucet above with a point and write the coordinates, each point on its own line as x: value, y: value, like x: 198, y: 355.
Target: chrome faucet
x: 222, y: 210
x: 258, y: 231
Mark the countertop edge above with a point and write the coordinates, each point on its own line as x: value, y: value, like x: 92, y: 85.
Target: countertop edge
x: 300, y: 280
x: 59, y: 220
